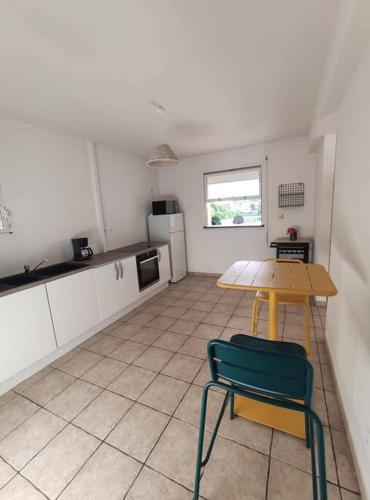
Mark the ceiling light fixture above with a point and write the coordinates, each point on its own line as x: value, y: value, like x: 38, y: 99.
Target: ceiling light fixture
x: 163, y: 156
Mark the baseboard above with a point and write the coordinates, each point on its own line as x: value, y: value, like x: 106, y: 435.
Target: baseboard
x: 205, y: 275
x: 361, y: 482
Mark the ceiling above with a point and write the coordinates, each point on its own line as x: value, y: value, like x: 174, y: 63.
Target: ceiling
x: 229, y: 72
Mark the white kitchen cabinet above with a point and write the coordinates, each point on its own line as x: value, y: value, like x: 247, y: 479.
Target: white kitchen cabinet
x: 26, y: 328
x: 117, y: 286
x: 74, y: 305
x: 130, y: 281
x: 164, y: 265
x: 110, y: 292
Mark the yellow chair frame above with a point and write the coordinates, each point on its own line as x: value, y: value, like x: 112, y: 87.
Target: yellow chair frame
x: 283, y: 299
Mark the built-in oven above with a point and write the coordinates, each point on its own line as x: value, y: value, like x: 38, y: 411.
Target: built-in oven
x: 147, y: 264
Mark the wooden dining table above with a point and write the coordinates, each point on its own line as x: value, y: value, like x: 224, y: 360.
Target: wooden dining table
x: 276, y: 278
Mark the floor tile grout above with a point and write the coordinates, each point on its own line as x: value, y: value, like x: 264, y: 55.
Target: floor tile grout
x: 126, y: 320
x: 161, y: 434
x: 36, y: 487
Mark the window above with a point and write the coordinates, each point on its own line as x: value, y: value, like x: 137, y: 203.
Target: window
x: 233, y: 198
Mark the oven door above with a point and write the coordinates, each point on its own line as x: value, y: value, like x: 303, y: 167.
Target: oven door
x: 147, y: 268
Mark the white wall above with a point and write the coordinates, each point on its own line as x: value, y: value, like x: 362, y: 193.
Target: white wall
x: 324, y: 198
x: 348, y: 318
x: 127, y: 187
x: 290, y: 162
x: 45, y: 182
x: 213, y: 250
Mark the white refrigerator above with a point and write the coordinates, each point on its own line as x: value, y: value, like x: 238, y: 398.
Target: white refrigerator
x: 170, y: 228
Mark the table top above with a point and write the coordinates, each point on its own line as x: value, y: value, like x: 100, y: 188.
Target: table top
x: 281, y: 277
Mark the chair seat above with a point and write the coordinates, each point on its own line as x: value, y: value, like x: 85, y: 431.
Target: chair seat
x: 283, y: 298
x: 268, y: 345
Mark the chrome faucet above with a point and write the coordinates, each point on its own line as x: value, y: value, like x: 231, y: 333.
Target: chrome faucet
x: 28, y: 270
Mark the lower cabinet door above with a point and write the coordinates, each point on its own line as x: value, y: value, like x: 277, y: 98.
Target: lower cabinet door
x: 164, y: 265
x: 74, y: 305
x: 26, y: 328
x: 110, y: 290
x: 130, y: 281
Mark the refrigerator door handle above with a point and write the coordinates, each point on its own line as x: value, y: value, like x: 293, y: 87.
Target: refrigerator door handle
x: 159, y: 255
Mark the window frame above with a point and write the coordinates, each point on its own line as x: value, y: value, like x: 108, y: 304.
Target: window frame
x: 235, y: 198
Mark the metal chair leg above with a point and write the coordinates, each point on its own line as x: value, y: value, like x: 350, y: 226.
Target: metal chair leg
x: 314, y: 419
x: 232, y: 401
x: 215, y: 431
x: 202, y: 422
x: 321, y: 457
x: 313, y: 459
x: 201, y: 463
x: 307, y: 429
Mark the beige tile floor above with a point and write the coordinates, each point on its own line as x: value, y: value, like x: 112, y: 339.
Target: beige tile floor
x: 117, y: 417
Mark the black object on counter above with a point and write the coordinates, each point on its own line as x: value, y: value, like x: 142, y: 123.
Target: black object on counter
x: 81, y: 250
x: 164, y: 207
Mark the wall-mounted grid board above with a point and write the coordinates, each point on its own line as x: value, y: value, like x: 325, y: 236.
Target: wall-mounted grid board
x: 291, y: 195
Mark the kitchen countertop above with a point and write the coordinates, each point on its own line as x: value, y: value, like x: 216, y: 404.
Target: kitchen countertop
x: 97, y: 260
x: 100, y: 259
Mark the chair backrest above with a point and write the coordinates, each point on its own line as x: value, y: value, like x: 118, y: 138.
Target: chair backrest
x: 271, y: 373
x: 295, y: 261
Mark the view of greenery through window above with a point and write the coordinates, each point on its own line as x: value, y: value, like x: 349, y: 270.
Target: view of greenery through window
x: 233, y: 198
x: 229, y: 213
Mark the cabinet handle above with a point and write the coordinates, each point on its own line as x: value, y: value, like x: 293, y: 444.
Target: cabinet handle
x: 121, y: 268
x: 159, y: 255
x: 117, y: 272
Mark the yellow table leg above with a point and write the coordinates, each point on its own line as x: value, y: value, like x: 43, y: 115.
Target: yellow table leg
x: 273, y: 316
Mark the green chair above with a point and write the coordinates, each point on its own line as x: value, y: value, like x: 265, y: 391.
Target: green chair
x: 268, y: 371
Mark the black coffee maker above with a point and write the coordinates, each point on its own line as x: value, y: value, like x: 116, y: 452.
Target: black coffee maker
x: 80, y: 249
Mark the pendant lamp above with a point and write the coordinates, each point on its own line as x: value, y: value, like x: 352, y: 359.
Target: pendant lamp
x: 163, y: 156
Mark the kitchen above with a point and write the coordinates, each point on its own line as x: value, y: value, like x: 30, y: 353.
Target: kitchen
x: 136, y: 200
x: 64, y: 304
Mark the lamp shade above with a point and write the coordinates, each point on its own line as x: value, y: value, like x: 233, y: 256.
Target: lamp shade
x: 163, y: 156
